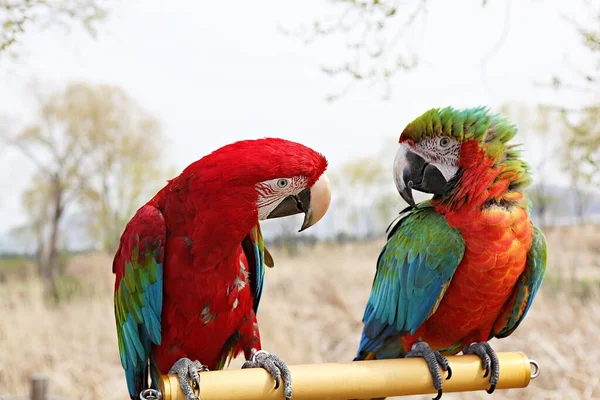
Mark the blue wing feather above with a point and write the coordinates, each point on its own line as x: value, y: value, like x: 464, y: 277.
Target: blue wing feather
x: 413, y: 270
x: 138, y: 294
x: 254, y: 249
x: 260, y: 274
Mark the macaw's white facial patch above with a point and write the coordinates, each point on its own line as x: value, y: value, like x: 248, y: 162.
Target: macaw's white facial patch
x: 272, y: 192
x: 448, y: 171
x: 439, y: 150
x: 442, y: 152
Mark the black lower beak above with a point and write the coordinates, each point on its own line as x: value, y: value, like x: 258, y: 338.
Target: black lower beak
x: 294, y: 204
x: 291, y: 205
x: 422, y: 176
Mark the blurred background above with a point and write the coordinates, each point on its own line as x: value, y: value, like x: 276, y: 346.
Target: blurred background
x: 101, y: 101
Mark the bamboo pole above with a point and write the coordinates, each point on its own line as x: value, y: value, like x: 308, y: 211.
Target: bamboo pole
x: 354, y: 380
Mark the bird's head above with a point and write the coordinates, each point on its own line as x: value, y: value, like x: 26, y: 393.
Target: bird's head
x: 438, y: 147
x: 270, y: 177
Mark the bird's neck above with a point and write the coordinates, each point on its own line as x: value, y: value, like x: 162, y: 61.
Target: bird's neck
x: 485, y: 181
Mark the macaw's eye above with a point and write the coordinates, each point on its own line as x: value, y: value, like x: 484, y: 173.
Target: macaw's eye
x: 282, y: 183
x: 444, y: 142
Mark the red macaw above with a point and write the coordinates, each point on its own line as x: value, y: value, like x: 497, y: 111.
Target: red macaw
x: 465, y: 266
x: 190, y: 264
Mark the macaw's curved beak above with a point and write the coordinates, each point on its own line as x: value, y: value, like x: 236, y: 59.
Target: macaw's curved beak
x: 411, y: 171
x: 313, y: 202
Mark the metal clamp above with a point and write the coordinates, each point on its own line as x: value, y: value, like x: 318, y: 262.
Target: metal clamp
x: 151, y: 394
x: 536, y: 373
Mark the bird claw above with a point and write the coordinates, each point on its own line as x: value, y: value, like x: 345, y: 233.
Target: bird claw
x: 433, y: 359
x: 275, y: 367
x: 489, y: 361
x: 187, y: 370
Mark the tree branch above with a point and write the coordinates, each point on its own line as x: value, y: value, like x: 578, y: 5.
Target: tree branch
x: 374, y: 17
x: 17, y: 13
x: 42, y: 168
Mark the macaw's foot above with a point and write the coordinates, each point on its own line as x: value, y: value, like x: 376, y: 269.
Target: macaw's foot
x: 489, y: 359
x: 274, y: 366
x: 433, y: 359
x: 187, y: 370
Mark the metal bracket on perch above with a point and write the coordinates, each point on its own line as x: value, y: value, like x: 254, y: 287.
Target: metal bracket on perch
x: 151, y: 394
x: 353, y: 380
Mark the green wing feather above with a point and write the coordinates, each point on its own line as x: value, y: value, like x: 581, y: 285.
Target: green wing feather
x: 138, y: 265
x: 254, y: 249
x: 414, y: 270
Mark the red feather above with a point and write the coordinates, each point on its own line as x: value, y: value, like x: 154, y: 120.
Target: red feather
x: 208, y: 211
x: 496, y: 244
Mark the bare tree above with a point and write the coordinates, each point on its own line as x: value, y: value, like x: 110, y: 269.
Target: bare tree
x: 82, y: 139
x: 129, y: 144
x: 35, y: 200
x: 33, y: 231
x: 58, y: 151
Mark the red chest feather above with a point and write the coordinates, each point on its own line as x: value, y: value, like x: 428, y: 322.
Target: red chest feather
x: 497, y: 240
x: 201, y: 311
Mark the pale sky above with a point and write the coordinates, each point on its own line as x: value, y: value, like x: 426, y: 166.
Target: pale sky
x: 216, y: 72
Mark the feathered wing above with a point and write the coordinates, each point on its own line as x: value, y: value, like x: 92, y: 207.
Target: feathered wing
x: 529, y: 282
x: 138, y: 265
x: 254, y: 248
x: 414, y: 270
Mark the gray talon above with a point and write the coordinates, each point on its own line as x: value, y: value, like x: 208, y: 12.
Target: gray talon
x: 187, y: 370
x: 489, y: 361
x: 433, y: 359
x: 275, y: 367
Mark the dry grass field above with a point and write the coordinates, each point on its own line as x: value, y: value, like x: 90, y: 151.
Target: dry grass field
x: 311, y: 313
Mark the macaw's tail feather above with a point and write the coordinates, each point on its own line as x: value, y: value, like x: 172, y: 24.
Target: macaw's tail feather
x: 363, y: 356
